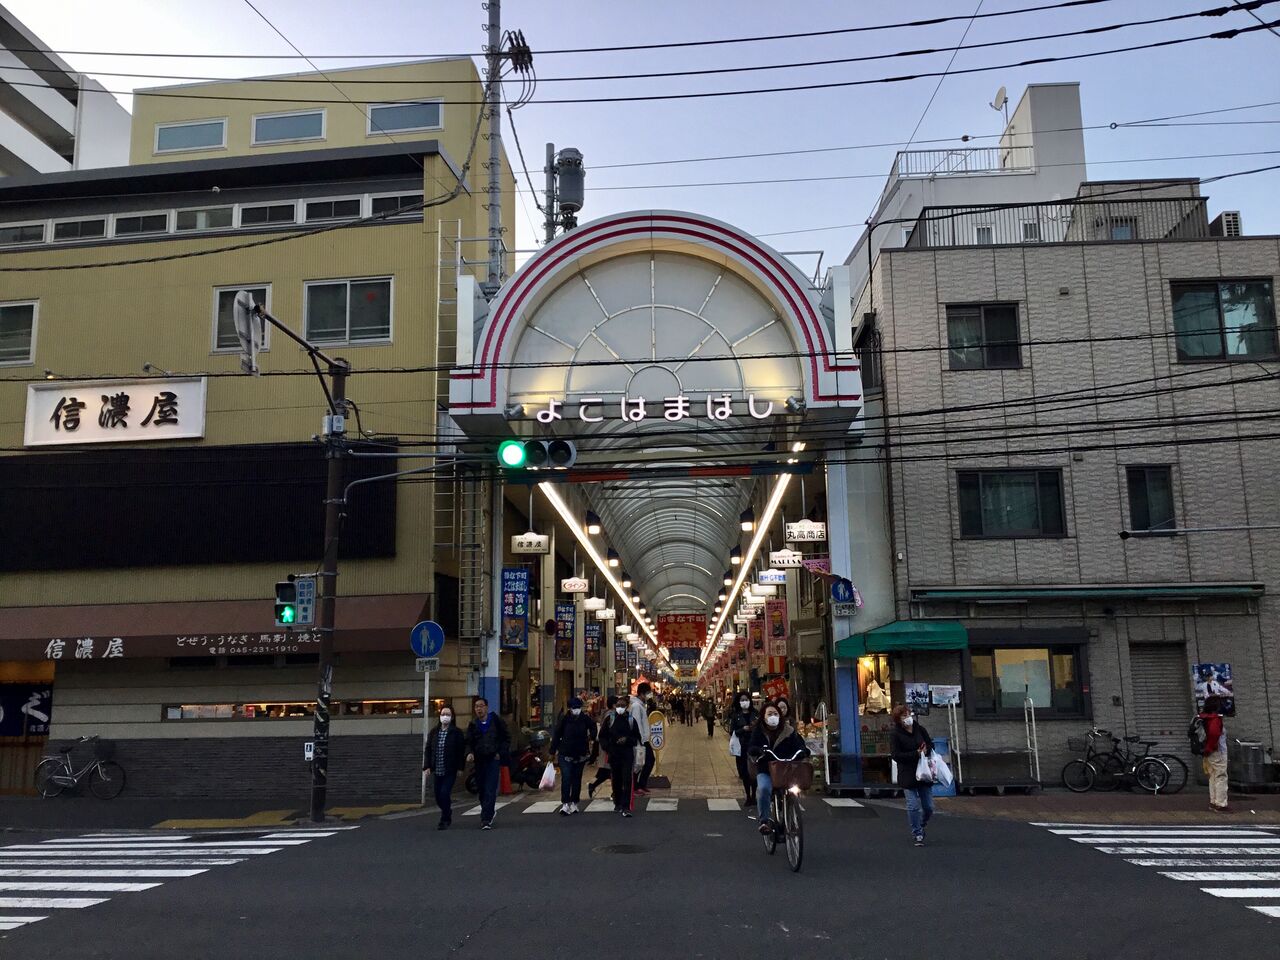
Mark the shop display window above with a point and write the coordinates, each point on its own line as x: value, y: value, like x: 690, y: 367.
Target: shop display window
x: 1003, y: 677
x: 291, y: 710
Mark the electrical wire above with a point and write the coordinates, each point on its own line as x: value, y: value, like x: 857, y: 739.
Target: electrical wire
x: 1249, y: 9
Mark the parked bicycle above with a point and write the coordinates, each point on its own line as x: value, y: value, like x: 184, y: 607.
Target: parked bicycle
x: 105, y: 776
x: 1107, y: 770
x: 791, y: 777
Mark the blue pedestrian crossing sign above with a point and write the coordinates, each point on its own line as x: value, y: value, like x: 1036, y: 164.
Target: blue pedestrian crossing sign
x: 842, y: 591
x: 427, y: 639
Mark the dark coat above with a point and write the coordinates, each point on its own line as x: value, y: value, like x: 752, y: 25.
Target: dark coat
x: 574, y: 736
x: 785, y: 743
x: 905, y: 748
x: 455, y: 750
x: 487, y: 744
x: 619, y: 736
x: 742, y: 722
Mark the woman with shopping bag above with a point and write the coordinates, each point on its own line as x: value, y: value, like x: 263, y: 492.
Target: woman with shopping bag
x: 912, y: 751
x: 742, y: 721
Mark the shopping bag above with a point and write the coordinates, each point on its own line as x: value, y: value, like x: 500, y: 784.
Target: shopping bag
x: 941, y: 771
x: 735, y: 745
x: 924, y: 770
x: 548, y: 777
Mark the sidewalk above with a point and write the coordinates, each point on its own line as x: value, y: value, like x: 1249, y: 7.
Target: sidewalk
x: 127, y: 813
x: 698, y: 765
x: 1062, y: 806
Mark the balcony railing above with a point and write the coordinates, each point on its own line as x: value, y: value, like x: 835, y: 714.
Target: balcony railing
x: 1170, y: 218
x: 967, y: 161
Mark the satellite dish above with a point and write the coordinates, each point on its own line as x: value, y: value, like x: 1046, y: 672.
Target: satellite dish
x: 1000, y: 100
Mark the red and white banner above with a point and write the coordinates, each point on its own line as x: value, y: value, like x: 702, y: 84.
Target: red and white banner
x: 682, y: 630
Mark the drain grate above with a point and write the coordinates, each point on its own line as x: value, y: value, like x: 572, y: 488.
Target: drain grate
x: 621, y: 848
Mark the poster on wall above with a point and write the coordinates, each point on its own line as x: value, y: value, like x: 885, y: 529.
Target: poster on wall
x: 1214, y: 680
x: 944, y: 694
x: 591, y: 633
x: 755, y: 641
x: 918, y: 698
x: 515, y: 608
x: 776, y: 626
x: 25, y: 709
x: 566, y: 616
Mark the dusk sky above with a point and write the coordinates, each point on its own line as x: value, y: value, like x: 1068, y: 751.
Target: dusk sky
x: 1207, y: 75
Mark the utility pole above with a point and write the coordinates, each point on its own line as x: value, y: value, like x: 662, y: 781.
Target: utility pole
x: 549, y: 204
x: 494, y: 98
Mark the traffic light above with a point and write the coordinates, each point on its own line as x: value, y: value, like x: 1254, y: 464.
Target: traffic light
x: 286, y: 603
x: 537, y: 454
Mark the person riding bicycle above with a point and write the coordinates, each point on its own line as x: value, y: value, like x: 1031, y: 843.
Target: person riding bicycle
x: 777, y: 736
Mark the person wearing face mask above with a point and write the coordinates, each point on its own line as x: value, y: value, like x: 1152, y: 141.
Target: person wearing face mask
x: 775, y: 734
x: 908, y: 742
x: 572, y: 741
x: 601, y: 760
x: 619, y: 738
x: 741, y: 722
x: 444, y: 756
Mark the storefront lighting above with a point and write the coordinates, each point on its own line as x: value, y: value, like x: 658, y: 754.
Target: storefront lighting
x: 614, y: 560
x: 592, y: 524
x: 735, y: 556
x: 747, y: 520
x: 797, y: 446
x: 728, y: 578
x: 718, y: 608
x: 722, y: 596
x: 626, y: 580
x: 635, y: 598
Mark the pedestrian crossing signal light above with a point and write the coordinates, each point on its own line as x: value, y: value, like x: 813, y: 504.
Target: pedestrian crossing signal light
x: 511, y: 453
x: 537, y: 454
x: 286, y: 603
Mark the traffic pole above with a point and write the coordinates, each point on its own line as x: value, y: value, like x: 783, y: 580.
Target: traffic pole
x: 426, y: 723
x: 335, y: 451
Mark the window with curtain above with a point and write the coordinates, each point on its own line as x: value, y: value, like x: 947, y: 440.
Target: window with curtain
x: 983, y: 336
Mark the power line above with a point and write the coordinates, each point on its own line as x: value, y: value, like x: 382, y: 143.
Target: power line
x: 1249, y: 8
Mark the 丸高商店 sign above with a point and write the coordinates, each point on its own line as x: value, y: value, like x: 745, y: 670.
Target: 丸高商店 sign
x: 63, y: 412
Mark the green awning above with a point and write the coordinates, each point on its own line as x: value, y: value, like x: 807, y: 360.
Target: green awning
x: 905, y: 635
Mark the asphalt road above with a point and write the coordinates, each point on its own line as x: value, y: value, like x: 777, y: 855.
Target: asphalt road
x: 698, y: 884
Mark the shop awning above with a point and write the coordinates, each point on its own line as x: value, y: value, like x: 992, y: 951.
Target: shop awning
x: 905, y: 635
x: 1141, y: 591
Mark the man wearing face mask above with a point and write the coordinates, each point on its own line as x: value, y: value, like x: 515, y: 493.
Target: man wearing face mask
x: 445, y: 755
x: 619, y: 737
x: 572, y: 741
x: 741, y: 722
x: 645, y: 757
x: 908, y: 742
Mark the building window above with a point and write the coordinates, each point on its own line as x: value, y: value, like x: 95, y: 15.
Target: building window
x: 1224, y: 319
x: 984, y: 336
x: 210, y: 218
x: 11, y: 234
x: 1150, y: 498
x: 17, y: 332
x: 349, y: 311
x: 268, y: 213
x: 401, y: 117
x: 80, y: 229
x: 192, y: 135
x: 1010, y: 503
x: 1004, y: 678
x: 1124, y: 228
x: 288, y: 127
x: 141, y: 223
x: 347, y: 209
x: 984, y: 235
x: 224, y: 320
x: 394, y: 204
x: 1031, y: 231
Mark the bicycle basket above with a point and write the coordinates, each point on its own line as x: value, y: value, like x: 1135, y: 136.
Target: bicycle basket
x: 1078, y: 744
x: 103, y: 749
x: 786, y: 774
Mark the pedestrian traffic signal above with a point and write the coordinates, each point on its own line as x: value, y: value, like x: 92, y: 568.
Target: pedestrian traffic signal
x: 286, y: 603
x: 537, y: 454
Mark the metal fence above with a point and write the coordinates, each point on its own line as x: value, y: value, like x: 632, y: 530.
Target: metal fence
x: 1168, y: 218
x: 970, y: 160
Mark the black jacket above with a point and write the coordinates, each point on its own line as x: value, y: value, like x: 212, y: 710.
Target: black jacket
x: 574, y: 737
x: 487, y: 744
x: 742, y: 722
x: 619, y: 736
x: 905, y: 747
x: 785, y: 745
x: 455, y: 750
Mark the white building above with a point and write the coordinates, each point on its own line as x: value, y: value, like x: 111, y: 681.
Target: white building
x: 53, y: 119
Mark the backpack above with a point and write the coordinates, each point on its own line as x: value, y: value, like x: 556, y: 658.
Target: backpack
x: 1197, y: 736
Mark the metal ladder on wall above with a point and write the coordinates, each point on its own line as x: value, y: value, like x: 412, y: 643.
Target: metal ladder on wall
x: 473, y: 583
x: 449, y: 265
x: 446, y: 489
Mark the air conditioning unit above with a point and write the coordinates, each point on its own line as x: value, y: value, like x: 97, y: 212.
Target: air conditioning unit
x: 1227, y: 224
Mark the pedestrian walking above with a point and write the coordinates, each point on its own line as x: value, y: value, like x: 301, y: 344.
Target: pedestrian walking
x: 574, y: 736
x: 784, y: 710
x: 644, y: 754
x: 489, y: 745
x: 774, y: 734
x: 742, y: 721
x: 709, y: 715
x: 1215, y: 752
x: 908, y: 742
x: 601, y: 757
x: 443, y: 757
x: 619, y: 738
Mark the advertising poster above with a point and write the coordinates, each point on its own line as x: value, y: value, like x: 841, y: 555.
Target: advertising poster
x: 591, y: 634
x: 776, y: 626
x: 565, y: 618
x: 682, y: 630
x: 515, y: 608
x: 918, y: 698
x: 632, y: 659
x: 755, y: 642
x: 620, y: 649
x: 25, y: 709
x: 1214, y: 680
x: 944, y: 694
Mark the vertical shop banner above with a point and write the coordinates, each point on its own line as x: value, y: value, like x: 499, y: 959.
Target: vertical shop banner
x: 1214, y: 680
x: 755, y: 642
x: 620, y: 648
x: 25, y: 709
x: 515, y: 608
x: 566, y: 618
x: 591, y: 634
x: 682, y: 630
x: 776, y: 626
x: 631, y: 658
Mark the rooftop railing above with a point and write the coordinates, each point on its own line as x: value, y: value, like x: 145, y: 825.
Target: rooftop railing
x: 967, y: 161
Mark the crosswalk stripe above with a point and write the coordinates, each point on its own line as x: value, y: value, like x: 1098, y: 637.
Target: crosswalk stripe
x: 841, y: 802
x: 1244, y: 893
x: 72, y: 886
x: 600, y: 806
x: 1181, y: 832
x: 161, y: 845
x: 112, y: 841
x: 1148, y: 826
x: 291, y: 834
x: 1268, y: 911
x: 1177, y: 851
x: 543, y: 806
x: 13, y: 923
x: 1223, y: 876
x: 49, y: 903
x: 1204, y: 839
x: 31, y: 851
x: 100, y: 873
x: 117, y: 862
x: 475, y: 811
x: 662, y: 805
x: 1206, y: 862
x: 722, y: 806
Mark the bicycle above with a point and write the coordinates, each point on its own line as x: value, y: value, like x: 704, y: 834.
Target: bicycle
x: 106, y: 777
x: 791, y: 777
x: 1105, y: 771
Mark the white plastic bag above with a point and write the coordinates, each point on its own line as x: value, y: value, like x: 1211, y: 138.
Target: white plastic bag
x: 925, y: 770
x: 735, y: 745
x: 942, y: 773
x: 548, y: 777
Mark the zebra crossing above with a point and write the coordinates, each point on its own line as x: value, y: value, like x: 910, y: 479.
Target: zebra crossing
x: 654, y: 805
x: 1224, y: 861
x: 39, y: 879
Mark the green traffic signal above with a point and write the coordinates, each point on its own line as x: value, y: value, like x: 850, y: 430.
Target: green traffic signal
x: 286, y: 613
x: 511, y: 453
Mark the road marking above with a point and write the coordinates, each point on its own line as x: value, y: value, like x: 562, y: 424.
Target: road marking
x: 1208, y: 839
x: 163, y: 844
x: 266, y: 818
x: 292, y: 834
x: 100, y: 873
x: 1155, y: 826
x: 1244, y: 893
x: 117, y: 862
x: 1269, y: 911
x: 543, y: 806
x: 1224, y: 876
x: 1176, y: 851
x: 1215, y: 832
x: 723, y: 806
x: 117, y: 838
x: 49, y: 903
x: 600, y: 806
x: 662, y: 805
x: 841, y: 802
x: 1205, y: 862
x: 13, y: 923
x: 475, y: 811
x: 36, y: 850
x: 72, y: 886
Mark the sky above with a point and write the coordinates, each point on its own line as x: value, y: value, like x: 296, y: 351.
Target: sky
x: 793, y: 216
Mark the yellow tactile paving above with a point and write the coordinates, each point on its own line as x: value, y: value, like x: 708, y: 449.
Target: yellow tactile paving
x: 265, y: 818
x: 359, y: 813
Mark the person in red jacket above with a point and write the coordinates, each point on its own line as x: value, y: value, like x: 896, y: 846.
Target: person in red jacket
x: 1215, y: 753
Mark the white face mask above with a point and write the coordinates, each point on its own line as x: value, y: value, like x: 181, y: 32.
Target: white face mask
x: 445, y: 720
x: 772, y: 720
x: 620, y: 710
x: 908, y: 721
x: 745, y: 704
x: 576, y: 710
